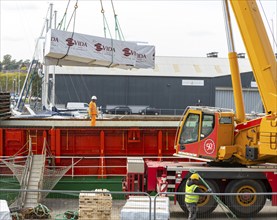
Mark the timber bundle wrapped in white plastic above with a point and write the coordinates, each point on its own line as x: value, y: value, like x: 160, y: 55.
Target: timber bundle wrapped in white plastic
x: 74, y: 49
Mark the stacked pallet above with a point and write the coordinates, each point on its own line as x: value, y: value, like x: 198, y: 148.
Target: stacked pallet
x: 5, y: 105
x: 95, y: 205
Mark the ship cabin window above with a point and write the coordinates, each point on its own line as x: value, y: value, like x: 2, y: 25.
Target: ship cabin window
x: 190, y: 129
x: 207, y: 125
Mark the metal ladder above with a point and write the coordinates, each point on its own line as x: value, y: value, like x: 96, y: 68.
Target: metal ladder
x: 33, y: 178
x: 33, y: 138
x: 36, y: 174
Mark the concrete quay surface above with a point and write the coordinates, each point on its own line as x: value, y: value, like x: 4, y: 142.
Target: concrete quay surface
x: 59, y: 206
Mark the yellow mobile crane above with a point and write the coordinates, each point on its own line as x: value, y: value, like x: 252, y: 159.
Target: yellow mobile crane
x: 212, y: 134
x: 240, y: 155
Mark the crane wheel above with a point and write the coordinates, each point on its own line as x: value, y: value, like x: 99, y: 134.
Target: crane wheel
x: 206, y: 204
x: 248, y: 205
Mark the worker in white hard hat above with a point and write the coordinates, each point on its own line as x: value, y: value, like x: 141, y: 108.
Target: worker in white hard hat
x: 93, y: 110
x: 192, y: 186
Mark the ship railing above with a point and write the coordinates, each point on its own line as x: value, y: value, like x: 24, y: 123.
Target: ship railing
x: 26, y: 175
x: 40, y: 182
x: 91, y: 165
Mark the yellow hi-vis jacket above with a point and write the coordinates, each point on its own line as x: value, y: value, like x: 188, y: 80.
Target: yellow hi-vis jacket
x: 191, y: 198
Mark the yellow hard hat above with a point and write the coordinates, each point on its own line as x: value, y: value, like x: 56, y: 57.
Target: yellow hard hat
x: 194, y: 176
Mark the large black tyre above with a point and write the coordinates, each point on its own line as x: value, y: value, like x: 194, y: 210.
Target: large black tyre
x: 206, y: 204
x: 248, y: 205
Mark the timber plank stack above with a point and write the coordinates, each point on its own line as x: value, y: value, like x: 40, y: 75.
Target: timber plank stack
x: 4, y: 105
x: 95, y: 205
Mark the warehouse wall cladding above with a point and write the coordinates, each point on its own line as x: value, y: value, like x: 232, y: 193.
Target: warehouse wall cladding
x: 160, y: 91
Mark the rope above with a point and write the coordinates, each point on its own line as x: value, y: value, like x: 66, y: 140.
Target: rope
x: 48, y: 149
x: 73, y: 14
x: 68, y: 215
x: 16, y: 216
x: 216, y: 198
x: 40, y: 211
x: 19, y: 151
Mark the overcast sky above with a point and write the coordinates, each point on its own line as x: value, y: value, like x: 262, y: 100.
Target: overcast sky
x: 177, y: 28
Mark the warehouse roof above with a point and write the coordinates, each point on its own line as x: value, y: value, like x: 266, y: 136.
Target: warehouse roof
x: 166, y: 66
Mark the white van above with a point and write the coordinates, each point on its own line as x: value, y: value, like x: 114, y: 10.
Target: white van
x: 77, y: 106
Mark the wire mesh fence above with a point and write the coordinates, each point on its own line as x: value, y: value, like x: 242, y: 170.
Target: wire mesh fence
x: 101, y: 204
x: 225, y: 206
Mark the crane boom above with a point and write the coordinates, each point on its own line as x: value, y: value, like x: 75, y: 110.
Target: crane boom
x: 208, y: 133
x: 259, y: 50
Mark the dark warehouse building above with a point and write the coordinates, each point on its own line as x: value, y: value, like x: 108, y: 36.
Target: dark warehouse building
x: 176, y: 82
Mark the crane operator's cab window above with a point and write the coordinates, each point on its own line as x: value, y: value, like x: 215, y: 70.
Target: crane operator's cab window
x: 190, y: 129
x: 207, y: 125
x: 226, y: 120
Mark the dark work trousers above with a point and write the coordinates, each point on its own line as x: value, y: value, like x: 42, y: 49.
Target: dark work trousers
x: 192, y: 208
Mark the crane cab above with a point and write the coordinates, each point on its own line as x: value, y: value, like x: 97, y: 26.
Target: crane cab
x: 203, y: 131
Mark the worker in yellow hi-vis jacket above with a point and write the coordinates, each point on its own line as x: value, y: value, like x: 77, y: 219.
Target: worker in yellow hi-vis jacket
x: 192, y: 186
x: 93, y: 110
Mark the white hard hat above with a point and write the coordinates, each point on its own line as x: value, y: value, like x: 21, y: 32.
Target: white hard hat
x: 94, y: 97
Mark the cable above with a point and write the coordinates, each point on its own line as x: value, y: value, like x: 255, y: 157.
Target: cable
x: 73, y: 14
x: 64, y: 16
x: 216, y: 198
x: 271, y: 31
x: 102, y: 11
x: 76, y: 92
x: 85, y: 85
x: 117, y: 26
x: 105, y: 22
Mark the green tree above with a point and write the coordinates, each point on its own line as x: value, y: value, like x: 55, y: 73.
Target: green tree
x: 13, y: 80
x: 10, y: 64
x: 36, y: 85
x: 6, y: 61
